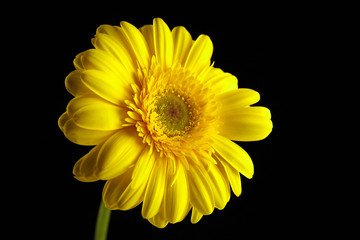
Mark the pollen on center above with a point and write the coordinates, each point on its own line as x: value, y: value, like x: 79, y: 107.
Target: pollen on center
x: 174, y: 113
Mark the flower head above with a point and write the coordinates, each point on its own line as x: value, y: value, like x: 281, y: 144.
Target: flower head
x: 162, y: 119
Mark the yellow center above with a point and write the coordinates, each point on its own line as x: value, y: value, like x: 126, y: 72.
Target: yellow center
x: 174, y: 114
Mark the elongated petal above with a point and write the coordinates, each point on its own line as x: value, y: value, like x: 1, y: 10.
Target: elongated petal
x: 195, y: 216
x: 247, y: 124
x: 148, y: 32
x: 77, y: 62
x: 233, y: 176
x: 201, y: 195
x: 119, y: 194
x: 85, y: 169
x: 234, y: 155
x: 159, y: 220
x: 163, y: 42
x: 143, y: 168
x: 92, y: 112
x: 97, y: 59
x: 74, y: 85
x: 118, y: 35
x: 107, y: 86
x: 155, y: 189
x: 114, y: 188
x: 62, y: 120
x: 77, y: 103
x: 237, y: 99
x: 109, y: 44
x: 221, y: 82
x: 131, y: 197
x: 113, y: 31
x: 182, y: 44
x: 137, y: 43
x: 200, y: 54
x: 83, y: 136
x: 119, y: 153
x: 219, y: 185
x: 176, y: 196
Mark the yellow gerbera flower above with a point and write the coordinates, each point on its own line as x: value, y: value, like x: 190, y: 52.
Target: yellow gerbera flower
x: 162, y: 119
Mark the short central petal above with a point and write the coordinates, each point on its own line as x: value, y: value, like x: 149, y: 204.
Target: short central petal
x: 174, y: 114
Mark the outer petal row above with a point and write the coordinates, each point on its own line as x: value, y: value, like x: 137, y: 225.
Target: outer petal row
x: 199, y: 55
x: 74, y: 85
x: 80, y: 135
x: 127, y: 41
x: 177, y: 196
x: 112, y: 158
x: 228, y: 151
x: 221, y: 82
x: 114, y: 46
x: 182, y: 45
x: 107, y: 86
x: 168, y: 197
x: 241, y: 122
x: 92, y: 112
x: 155, y: 190
x: 118, y: 193
x: 163, y: 43
x: 90, y: 120
x: 201, y: 194
x: 122, y: 49
x: 137, y: 43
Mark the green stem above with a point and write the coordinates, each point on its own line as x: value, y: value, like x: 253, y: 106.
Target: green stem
x: 102, y: 222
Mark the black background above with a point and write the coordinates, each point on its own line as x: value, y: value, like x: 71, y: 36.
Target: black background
x: 258, y: 44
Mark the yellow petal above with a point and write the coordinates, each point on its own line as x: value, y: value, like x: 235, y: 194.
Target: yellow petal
x: 92, y: 112
x: 219, y: 185
x: 118, y: 35
x: 79, y: 102
x: 158, y: 222
x: 74, y: 85
x: 155, y: 189
x: 182, y: 44
x: 113, y: 31
x: 77, y: 62
x: 62, y: 120
x: 221, y: 82
x: 114, y: 188
x: 107, y: 86
x: 85, y: 169
x: 119, y: 153
x: 201, y: 195
x: 119, y: 194
x: 199, y: 55
x: 195, y: 216
x: 103, y: 61
x: 233, y: 176
x: 84, y: 136
x: 246, y: 124
x: 237, y: 99
x: 143, y: 168
x: 163, y: 42
x: 234, y: 155
x: 117, y: 50
x: 148, y: 32
x: 159, y: 219
x: 137, y: 43
x: 176, y: 196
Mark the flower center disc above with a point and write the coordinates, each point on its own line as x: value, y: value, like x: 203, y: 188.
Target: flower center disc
x: 173, y: 113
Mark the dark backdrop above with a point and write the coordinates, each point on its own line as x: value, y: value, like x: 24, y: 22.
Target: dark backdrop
x: 257, y: 44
